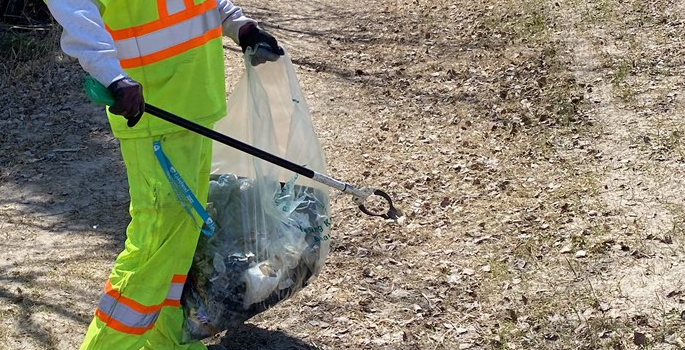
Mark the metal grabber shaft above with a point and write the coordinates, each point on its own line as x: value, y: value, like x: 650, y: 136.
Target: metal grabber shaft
x: 99, y: 94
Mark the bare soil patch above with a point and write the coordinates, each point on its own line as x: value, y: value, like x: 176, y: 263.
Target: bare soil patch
x: 535, y: 147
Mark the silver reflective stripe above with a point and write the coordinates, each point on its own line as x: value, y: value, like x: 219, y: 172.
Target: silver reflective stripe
x: 168, y: 37
x: 125, y: 314
x: 175, y: 292
x: 174, y: 6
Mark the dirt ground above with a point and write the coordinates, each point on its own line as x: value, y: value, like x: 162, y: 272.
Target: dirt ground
x: 535, y: 147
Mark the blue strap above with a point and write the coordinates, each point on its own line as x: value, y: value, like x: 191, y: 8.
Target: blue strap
x: 184, y: 194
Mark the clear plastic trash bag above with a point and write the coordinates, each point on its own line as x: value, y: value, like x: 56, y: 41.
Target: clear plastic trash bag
x: 272, y: 226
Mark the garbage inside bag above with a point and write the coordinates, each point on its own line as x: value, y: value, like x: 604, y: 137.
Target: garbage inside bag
x: 272, y: 227
x: 250, y: 265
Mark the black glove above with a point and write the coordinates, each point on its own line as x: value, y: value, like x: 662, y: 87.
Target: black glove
x: 264, y: 45
x: 128, y: 100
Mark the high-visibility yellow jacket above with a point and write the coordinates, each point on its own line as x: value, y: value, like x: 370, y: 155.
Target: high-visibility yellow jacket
x: 172, y: 47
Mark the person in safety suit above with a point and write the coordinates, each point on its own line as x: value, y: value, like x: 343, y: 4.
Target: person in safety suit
x: 168, y: 53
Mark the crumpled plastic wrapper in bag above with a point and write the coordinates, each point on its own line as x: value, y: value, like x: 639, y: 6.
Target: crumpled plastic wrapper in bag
x: 262, y: 252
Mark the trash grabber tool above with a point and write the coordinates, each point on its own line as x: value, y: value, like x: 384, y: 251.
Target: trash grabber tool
x: 100, y: 95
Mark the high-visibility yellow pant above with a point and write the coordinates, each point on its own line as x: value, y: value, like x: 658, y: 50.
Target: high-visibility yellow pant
x: 140, y: 308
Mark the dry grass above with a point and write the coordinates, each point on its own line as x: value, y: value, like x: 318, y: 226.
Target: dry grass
x: 535, y: 147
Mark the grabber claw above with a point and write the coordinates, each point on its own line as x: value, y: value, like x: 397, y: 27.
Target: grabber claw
x: 392, y: 213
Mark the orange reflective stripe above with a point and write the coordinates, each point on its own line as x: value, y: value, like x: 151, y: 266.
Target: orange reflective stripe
x: 172, y: 51
x: 162, y: 9
x: 116, y: 325
x: 179, y: 279
x: 163, y: 22
x: 129, y: 316
x: 168, y: 37
x: 189, y: 3
x: 116, y: 314
x: 173, y: 298
x: 109, y: 290
x: 171, y: 303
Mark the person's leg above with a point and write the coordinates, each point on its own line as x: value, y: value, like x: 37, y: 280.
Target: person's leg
x: 170, y: 323
x: 141, y: 305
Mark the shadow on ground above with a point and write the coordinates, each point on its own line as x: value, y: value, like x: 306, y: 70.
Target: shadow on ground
x: 250, y: 337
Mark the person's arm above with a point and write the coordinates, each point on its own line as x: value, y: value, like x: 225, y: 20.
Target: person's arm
x: 84, y: 37
x: 232, y: 19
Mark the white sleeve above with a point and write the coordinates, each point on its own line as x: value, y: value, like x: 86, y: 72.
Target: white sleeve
x: 84, y: 37
x: 232, y: 18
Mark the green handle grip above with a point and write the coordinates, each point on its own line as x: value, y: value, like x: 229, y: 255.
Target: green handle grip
x: 97, y: 92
